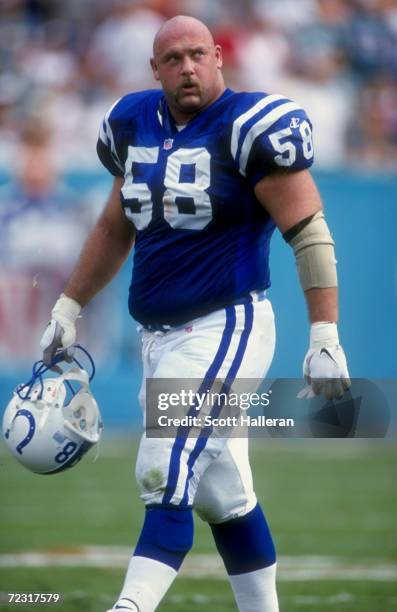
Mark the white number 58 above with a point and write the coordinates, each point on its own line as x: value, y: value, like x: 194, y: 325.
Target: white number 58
x: 287, y: 149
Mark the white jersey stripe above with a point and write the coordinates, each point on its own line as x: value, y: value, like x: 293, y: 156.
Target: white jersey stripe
x: 261, y: 126
x: 239, y: 122
x: 102, y: 134
x: 110, y: 136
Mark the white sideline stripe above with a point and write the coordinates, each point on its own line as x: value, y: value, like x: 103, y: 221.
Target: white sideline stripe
x: 297, y: 568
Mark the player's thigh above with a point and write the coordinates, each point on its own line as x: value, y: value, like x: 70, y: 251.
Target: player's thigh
x: 226, y: 489
x: 180, y: 359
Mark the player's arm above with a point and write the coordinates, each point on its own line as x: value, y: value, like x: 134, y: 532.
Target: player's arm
x: 103, y: 253
x: 293, y: 201
x: 105, y: 250
x: 290, y: 198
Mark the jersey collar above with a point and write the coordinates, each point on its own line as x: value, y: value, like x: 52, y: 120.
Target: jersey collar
x: 167, y: 121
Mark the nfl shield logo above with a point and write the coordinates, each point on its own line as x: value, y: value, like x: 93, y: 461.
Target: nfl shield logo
x: 168, y: 144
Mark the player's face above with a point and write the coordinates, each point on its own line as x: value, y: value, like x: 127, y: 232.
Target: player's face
x: 188, y: 68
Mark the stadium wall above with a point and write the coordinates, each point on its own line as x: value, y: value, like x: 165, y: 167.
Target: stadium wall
x: 362, y: 215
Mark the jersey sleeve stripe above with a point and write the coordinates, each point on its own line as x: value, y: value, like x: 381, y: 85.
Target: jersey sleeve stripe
x: 102, y: 134
x: 110, y: 136
x: 262, y: 126
x: 242, y: 119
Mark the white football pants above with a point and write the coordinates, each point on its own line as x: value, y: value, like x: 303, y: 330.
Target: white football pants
x: 216, y: 479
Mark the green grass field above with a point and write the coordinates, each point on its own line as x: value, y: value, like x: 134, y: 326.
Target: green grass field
x: 332, y: 506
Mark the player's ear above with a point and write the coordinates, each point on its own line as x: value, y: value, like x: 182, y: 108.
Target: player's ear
x: 218, y: 55
x: 154, y: 68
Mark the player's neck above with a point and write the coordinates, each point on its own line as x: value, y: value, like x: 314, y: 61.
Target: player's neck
x: 182, y: 118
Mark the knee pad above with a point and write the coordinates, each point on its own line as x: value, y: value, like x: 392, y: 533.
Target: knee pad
x: 151, y: 470
x: 151, y: 483
x: 225, y: 490
x: 219, y: 511
x: 213, y: 504
x: 167, y: 535
x: 245, y: 543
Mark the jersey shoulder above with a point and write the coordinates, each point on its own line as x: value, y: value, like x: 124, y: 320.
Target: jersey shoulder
x: 268, y: 131
x: 130, y: 106
x: 127, y: 113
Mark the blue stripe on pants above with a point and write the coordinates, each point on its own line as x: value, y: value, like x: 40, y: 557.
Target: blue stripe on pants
x: 231, y: 375
x: 182, y: 435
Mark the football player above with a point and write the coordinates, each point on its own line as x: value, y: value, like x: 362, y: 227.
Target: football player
x: 203, y: 175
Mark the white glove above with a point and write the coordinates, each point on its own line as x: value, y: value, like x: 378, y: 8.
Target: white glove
x: 324, y: 366
x: 60, y: 332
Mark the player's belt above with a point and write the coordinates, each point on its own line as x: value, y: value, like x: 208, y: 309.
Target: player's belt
x: 157, y: 327
x: 254, y: 296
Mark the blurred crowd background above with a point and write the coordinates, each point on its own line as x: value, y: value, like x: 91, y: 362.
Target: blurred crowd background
x: 63, y: 63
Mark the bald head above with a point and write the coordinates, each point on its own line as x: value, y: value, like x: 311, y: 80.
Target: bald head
x: 188, y: 64
x: 179, y: 27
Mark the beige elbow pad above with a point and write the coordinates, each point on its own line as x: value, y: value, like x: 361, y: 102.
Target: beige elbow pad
x: 315, y: 254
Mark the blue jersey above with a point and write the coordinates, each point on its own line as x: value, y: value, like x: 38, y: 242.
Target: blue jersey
x: 202, y: 237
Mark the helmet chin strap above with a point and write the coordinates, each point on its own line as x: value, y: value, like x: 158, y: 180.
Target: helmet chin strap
x: 24, y: 391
